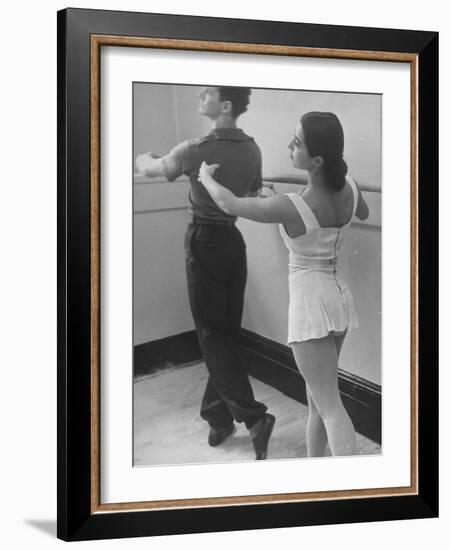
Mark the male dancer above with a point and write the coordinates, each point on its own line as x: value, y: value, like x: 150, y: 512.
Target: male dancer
x: 216, y: 262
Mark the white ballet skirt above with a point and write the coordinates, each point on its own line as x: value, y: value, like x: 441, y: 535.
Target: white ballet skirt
x: 319, y: 300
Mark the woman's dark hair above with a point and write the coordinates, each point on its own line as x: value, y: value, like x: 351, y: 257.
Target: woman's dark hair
x: 239, y: 98
x: 324, y: 137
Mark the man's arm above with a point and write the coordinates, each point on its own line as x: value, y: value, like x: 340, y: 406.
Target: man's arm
x: 257, y: 186
x: 169, y: 166
x: 150, y: 165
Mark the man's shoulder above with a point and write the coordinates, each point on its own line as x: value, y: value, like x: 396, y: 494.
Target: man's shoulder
x: 213, y: 142
x: 239, y: 137
x: 251, y: 141
x: 194, y: 143
x: 185, y: 147
x: 197, y: 142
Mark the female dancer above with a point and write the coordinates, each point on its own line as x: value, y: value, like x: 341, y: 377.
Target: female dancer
x: 313, y: 226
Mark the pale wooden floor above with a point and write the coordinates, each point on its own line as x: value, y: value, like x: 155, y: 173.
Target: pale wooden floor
x: 168, y: 428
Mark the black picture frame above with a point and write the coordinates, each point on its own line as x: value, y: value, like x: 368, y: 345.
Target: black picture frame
x: 79, y: 517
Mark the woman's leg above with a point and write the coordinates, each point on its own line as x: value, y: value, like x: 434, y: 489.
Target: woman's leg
x: 339, y: 341
x: 317, y: 361
x: 316, y: 434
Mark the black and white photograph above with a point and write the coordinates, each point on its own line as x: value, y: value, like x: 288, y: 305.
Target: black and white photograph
x: 257, y: 310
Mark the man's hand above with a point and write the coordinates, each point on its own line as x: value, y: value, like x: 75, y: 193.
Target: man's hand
x: 145, y: 162
x: 267, y: 190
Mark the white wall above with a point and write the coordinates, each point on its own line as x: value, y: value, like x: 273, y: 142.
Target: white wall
x: 273, y: 115
x: 161, y: 305
x: 28, y: 277
x: 163, y: 117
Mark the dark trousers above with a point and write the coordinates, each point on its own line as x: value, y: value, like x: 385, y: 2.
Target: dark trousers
x: 216, y: 269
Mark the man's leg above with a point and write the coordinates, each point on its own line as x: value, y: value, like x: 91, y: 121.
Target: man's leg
x: 214, y: 409
x: 261, y: 428
x: 209, y: 261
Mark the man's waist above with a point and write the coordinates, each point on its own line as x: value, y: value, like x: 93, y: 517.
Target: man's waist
x: 199, y: 220
x: 208, y: 215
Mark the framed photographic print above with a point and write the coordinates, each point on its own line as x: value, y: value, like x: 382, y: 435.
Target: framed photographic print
x: 247, y: 274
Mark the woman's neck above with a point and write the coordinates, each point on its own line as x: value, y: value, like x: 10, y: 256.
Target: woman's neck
x: 316, y: 181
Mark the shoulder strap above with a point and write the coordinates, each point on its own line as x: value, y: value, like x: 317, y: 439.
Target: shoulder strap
x: 307, y: 215
x: 355, y: 194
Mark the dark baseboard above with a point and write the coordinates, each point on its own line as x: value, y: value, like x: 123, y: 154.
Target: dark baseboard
x: 166, y: 353
x: 273, y: 364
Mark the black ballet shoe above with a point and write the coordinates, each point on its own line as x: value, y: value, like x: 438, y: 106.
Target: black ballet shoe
x: 260, y: 434
x: 218, y: 435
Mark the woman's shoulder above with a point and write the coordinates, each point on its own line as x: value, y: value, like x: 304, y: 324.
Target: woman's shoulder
x: 331, y: 208
x: 296, y: 201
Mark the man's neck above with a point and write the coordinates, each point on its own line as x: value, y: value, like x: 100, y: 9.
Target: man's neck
x: 224, y: 122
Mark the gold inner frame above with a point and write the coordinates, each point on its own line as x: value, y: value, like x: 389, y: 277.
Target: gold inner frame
x: 97, y: 41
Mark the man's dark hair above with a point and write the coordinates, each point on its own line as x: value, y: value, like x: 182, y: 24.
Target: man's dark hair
x: 239, y: 98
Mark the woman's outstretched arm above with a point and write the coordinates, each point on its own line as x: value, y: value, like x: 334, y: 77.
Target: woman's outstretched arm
x: 277, y: 209
x: 362, y: 210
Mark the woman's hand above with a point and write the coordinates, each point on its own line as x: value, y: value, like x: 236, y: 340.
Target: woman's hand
x: 206, y: 172
x: 222, y: 196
